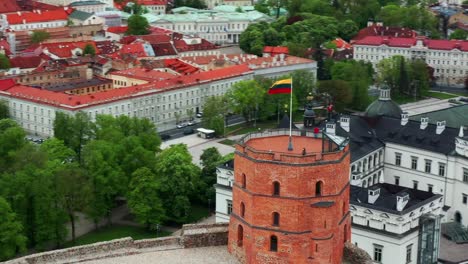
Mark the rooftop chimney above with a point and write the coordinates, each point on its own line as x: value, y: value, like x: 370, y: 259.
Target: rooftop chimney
x: 461, y: 133
x: 424, y: 122
x: 373, y: 194
x: 440, y: 127
x: 330, y: 128
x: 401, y: 201
x: 345, y: 123
x: 404, y: 118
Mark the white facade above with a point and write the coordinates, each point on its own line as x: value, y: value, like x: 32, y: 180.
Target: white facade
x: 107, y: 3
x: 450, y: 64
x: 92, y: 7
x: 225, y: 180
x: 157, y: 9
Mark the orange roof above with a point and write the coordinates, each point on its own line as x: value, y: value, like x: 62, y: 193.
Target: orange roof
x: 35, y: 17
x: 276, y: 50
x: 145, y: 74
x: 7, y: 6
x: 341, y: 44
x: 134, y: 48
x: 76, y: 102
x: 6, y: 84
x: 64, y: 49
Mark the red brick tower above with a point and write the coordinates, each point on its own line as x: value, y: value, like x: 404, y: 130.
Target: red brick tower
x: 290, y: 206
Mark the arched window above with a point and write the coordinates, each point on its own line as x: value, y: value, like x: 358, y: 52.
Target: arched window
x: 364, y: 184
x: 318, y: 188
x: 273, y: 243
x: 374, y: 179
x: 240, y: 236
x: 242, y: 209
x: 276, y: 188
x: 353, y: 168
x: 375, y: 159
x: 370, y: 162
x: 276, y: 219
x: 244, y: 181
x: 458, y: 217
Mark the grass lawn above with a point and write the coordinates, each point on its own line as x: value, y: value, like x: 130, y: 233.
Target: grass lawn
x: 228, y: 142
x: 198, y: 212
x: 114, y: 232
x: 241, y: 129
x: 440, y: 95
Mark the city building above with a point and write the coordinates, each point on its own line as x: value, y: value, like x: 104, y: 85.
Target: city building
x: 107, y: 3
x: 395, y: 224
x: 83, y: 18
x: 157, y: 7
x: 91, y: 6
x: 35, y: 20
x: 290, y: 201
x: 448, y: 58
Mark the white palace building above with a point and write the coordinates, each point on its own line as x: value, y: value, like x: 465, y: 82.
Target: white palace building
x: 407, y: 177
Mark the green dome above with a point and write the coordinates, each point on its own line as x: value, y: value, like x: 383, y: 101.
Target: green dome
x: 384, y: 106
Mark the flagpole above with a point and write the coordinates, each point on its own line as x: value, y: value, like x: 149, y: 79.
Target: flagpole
x: 290, y: 146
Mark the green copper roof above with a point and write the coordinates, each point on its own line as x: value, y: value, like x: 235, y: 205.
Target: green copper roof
x: 454, y: 117
x: 80, y: 15
x: 232, y: 9
x: 203, y: 17
x: 83, y: 3
x: 382, y: 107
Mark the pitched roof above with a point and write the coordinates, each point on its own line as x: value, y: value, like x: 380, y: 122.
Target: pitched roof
x: 375, y: 30
x: 118, y: 30
x: 36, y: 17
x: 164, y: 49
x: 63, y: 100
x: 434, y: 44
x: 145, y: 74
x: 152, y: 2
x: 276, y: 50
x: 80, y: 15
x: 26, y: 62
x: 134, y: 48
x: 6, y: 84
x: 454, y: 117
x: 7, y: 6
x: 84, y: 3
x: 65, y: 49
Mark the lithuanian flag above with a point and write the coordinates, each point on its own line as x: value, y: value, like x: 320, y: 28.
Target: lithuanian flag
x: 281, y: 87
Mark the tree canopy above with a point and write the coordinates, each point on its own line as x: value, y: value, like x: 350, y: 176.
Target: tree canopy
x: 39, y: 35
x: 4, y: 62
x: 138, y: 25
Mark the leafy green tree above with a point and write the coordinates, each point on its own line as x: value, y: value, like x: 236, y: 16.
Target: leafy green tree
x: 11, y: 140
x: 360, y: 11
x: 210, y: 159
x: 4, y: 111
x: 4, y: 62
x: 262, y: 6
x: 135, y: 8
x: 179, y: 178
x: 144, y: 198
x: 39, y: 36
x: 347, y: 29
x: 340, y: 91
x: 89, y: 49
x: 304, y: 83
x: 214, y: 111
x: 13, y: 241
x: 190, y: 3
x: 244, y: 98
x: 459, y: 34
x: 138, y: 25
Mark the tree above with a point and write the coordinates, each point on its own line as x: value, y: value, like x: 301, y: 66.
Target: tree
x: 89, y: 49
x: 244, y: 98
x: 190, y: 113
x: 11, y: 141
x: 179, y: 178
x: 138, y: 25
x: 210, y: 159
x: 4, y: 111
x: 261, y: 6
x: 144, y: 198
x: 214, y: 111
x: 340, y: 91
x: 39, y: 36
x: 459, y: 34
x: 13, y: 241
x: 347, y: 29
x: 4, y: 62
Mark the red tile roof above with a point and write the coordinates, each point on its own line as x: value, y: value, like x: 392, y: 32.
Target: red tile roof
x: 134, y: 48
x: 118, y: 30
x: 276, y: 50
x: 145, y: 74
x: 164, y: 49
x: 182, y: 46
x: 4, y: 45
x: 65, y: 49
x: 152, y: 2
x: 6, y: 84
x: 26, y: 62
x: 375, y: 30
x: 341, y: 44
x: 180, y: 66
x: 409, y: 42
x: 7, y: 6
x: 77, y: 102
x: 32, y: 17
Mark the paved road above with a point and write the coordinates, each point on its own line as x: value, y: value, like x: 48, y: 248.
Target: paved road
x: 450, y: 89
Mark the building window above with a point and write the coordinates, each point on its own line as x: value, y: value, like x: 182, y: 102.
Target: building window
x: 441, y: 169
x: 427, y: 168
x: 415, y: 185
x: 242, y: 209
x: 465, y: 175
x: 273, y: 243
x: 408, y: 253
x: 429, y: 188
x: 414, y: 163
x: 464, y: 199
x: 378, y: 253
x: 240, y: 236
x: 244, y: 181
x: 398, y: 159
x: 276, y: 219
x: 276, y: 188
x: 397, y: 180
x: 318, y: 188
x: 229, y: 206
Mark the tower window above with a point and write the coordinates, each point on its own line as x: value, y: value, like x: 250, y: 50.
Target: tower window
x: 273, y: 243
x: 244, y: 181
x: 318, y: 188
x: 242, y: 209
x: 276, y: 188
x: 240, y: 236
x: 276, y: 219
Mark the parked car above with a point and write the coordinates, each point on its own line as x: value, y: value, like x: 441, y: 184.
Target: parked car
x: 199, y: 114
x: 165, y: 136
x: 188, y: 131
x: 191, y: 123
x: 181, y: 125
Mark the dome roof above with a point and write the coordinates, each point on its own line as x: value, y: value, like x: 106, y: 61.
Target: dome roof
x: 386, y: 108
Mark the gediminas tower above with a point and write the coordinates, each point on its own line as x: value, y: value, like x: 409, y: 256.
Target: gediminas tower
x: 290, y: 206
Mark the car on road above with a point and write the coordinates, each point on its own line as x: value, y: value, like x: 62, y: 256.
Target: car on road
x: 165, y: 136
x: 181, y: 125
x: 199, y: 115
x: 188, y: 131
x: 191, y: 123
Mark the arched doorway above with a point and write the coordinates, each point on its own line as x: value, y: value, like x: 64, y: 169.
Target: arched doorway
x: 458, y: 217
